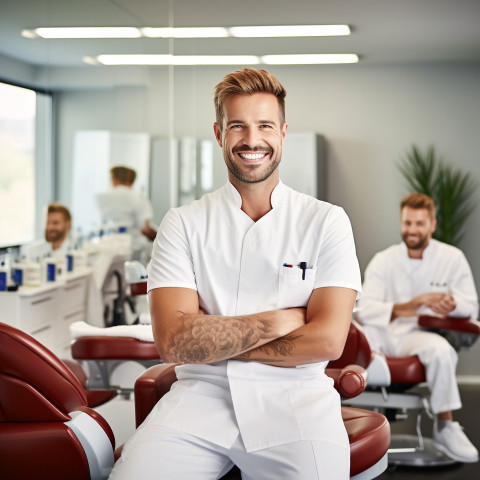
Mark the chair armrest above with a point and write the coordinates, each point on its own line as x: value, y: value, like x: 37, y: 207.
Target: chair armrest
x: 349, y: 381
x: 150, y: 387
x: 461, y: 332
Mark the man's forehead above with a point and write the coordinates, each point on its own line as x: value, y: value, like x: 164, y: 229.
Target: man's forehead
x: 56, y: 216
x: 414, y: 213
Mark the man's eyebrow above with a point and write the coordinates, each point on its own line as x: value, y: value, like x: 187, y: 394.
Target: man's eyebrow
x: 259, y: 122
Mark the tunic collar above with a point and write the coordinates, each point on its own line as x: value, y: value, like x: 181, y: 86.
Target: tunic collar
x: 277, y: 194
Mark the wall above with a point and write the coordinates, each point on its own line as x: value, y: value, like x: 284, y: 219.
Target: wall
x: 369, y: 115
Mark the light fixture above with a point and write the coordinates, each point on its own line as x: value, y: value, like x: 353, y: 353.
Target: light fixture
x: 190, y: 32
x: 83, y: 32
x: 154, y: 59
x: 197, y: 32
x: 160, y: 59
x: 290, y: 31
x: 310, y: 59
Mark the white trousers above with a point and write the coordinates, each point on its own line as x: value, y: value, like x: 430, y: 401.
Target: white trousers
x: 163, y: 453
x: 437, y: 356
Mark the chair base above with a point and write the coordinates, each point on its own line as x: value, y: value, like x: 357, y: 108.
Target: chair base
x: 405, y: 450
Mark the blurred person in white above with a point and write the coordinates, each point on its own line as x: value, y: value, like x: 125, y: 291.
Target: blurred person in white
x: 124, y: 206
x: 421, y: 276
x: 58, y: 225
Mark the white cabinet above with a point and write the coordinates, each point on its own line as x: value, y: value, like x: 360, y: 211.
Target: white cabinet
x: 46, y: 312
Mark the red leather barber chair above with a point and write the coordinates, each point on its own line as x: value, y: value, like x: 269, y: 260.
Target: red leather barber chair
x: 47, y: 431
x: 391, y: 378
x: 368, y: 432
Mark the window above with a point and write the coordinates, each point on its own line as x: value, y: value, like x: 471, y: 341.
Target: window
x: 25, y: 163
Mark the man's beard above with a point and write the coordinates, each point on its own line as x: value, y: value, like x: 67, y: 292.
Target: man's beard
x: 421, y: 243
x: 54, y: 236
x: 240, y: 175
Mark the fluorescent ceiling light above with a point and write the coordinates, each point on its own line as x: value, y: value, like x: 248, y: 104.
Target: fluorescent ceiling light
x: 154, y: 59
x: 290, y: 31
x: 310, y: 59
x: 194, y: 32
x: 200, y: 32
x: 86, y: 32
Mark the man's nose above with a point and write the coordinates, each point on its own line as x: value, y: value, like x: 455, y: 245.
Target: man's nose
x: 252, y: 137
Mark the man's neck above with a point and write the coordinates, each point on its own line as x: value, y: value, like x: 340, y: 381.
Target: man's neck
x: 256, y: 197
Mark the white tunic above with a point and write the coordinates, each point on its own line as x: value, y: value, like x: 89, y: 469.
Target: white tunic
x: 393, y: 277
x: 237, y: 267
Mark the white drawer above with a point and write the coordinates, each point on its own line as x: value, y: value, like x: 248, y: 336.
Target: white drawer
x: 44, y: 335
x: 72, y: 295
x: 37, y: 311
x: 62, y: 331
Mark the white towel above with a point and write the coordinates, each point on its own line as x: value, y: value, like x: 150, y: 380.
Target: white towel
x: 140, y: 332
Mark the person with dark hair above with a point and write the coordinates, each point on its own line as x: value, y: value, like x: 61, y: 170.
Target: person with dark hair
x: 58, y: 225
x: 251, y: 290
x: 421, y: 276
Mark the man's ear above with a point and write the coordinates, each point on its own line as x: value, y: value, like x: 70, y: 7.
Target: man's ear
x: 218, y: 134
x: 434, y: 224
x: 284, y: 131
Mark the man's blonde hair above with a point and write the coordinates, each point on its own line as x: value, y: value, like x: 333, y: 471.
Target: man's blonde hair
x: 247, y: 82
x: 419, y: 200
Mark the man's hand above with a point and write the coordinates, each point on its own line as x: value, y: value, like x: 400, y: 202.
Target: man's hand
x: 444, y: 305
x: 441, y: 303
x: 148, y: 232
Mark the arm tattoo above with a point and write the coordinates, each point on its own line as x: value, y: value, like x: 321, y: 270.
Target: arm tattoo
x: 281, y: 347
x: 211, y: 338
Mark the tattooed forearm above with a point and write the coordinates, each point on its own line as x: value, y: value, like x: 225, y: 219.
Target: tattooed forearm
x: 208, y: 339
x: 281, y: 347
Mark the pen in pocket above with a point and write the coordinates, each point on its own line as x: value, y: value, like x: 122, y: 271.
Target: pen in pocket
x: 301, y: 265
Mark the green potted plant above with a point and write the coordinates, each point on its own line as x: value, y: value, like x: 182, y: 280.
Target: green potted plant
x: 451, y: 189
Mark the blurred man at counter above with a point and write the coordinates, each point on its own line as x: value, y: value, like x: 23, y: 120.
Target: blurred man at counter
x: 59, y: 223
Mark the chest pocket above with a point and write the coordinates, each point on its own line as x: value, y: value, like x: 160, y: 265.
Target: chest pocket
x: 293, y: 290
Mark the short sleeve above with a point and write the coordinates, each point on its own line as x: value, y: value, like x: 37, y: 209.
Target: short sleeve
x: 171, y: 264
x: 337, y: 263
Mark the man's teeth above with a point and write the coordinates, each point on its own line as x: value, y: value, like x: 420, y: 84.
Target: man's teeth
x: 252, y: 156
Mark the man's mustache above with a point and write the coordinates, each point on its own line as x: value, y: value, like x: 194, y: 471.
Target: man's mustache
x: 248, y: 148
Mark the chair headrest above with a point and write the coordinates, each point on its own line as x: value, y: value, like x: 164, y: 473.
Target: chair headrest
x: 46, y: 384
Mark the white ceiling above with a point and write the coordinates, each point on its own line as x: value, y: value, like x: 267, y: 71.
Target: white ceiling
x: 383, y: 31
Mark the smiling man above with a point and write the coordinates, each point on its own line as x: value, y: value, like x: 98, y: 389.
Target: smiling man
x: 58, y: 225
x: 251, y: 289
x: 421, y: 276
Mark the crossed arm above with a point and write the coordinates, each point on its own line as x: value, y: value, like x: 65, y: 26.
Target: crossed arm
x: 284, y: 338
